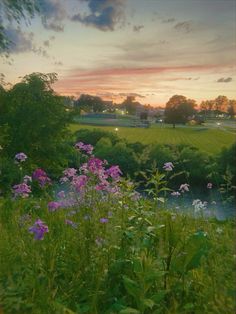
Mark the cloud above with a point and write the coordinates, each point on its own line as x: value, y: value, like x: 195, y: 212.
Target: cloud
x: 58, y: 63
x: 137, y: 28
x: 46, y: 43
x: 186, y: 26
x: 224, y: 80
x: 131, y: 94
x: 18, y: 41
x: 53, y: 13
x: 104, y: 14
x: 169, y: 20
x: 128, y: 71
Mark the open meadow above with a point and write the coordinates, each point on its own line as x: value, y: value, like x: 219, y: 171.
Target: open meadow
x: 207, y: 139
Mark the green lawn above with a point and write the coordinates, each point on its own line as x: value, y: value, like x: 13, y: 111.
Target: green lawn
x: 206, y: 139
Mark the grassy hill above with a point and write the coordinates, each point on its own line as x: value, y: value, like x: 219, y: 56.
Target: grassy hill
x: 206, y: 139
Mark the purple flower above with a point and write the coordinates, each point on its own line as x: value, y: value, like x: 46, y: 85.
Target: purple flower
x: 102, y: 186
x: 168, y: 166
x: 85, y: 148
x: 114, y: 172
x: 104, y: 220
x: 95, y: 165
x: 79, y: 182
x: 184, y: 187
x: 39, y: 229
x: 53, y: 206
x: 41, y: 176
x: 20, y: 157
x: 21, y: 190
x: 175, y: 193
x: 209, y: 185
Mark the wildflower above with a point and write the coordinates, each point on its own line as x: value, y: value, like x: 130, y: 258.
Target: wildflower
x: 70, y: 172
x: 168, y: 166
x: 22, y: 189
x: 102, y: 186
x: 39, y: 229
x: 20, y: 157
x: 135, y: 196
x: 103, y: 220
x: 219, y: 230
x: 53, y: 206
x: 86, y: 148
x: 79, y: 182
x: 61, y: 194
x: 199, y: 205
x: 114, y: 172
x: 209, y: 185
x: 175, y: 193
x: 27, y: 179
x: 87, y: 217
x: 71, y: 223
x: 99, y: 241
x: 95, y: 165
x: 184, y: 187
x: 41, y: 176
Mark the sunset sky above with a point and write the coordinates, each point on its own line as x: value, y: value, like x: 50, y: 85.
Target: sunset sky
x: 151, y: 49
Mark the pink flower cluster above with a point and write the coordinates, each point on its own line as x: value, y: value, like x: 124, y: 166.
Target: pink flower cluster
x: 21, y: 190
x: 87, y: 148
x: 41, y: 177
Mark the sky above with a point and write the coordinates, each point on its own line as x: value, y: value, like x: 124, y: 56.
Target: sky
x: 150, y: 49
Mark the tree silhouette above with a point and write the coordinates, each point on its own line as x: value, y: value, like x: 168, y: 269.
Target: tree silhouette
x: 179, y: 109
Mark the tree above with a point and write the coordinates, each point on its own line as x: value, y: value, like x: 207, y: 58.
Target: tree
x: 207, y: 105
x: 36, y: 121
x: 179, y: 109
x: 90, y: 103
x: 130, y: 105
x: 232, y: 108
x: 221, y: 104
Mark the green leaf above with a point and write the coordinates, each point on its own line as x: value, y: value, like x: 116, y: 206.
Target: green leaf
x: 132, y: 287
x: 129, y: 310
x: 148, y: 303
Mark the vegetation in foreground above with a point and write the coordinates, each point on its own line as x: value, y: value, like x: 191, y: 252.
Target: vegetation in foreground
x: 97, y: 246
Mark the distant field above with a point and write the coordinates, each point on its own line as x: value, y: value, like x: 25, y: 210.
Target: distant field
x: 206, y: 139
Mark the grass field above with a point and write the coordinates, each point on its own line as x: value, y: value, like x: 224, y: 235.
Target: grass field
x: 206, y: 139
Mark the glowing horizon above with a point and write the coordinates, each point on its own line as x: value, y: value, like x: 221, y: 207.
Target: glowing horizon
x: 152, y: 50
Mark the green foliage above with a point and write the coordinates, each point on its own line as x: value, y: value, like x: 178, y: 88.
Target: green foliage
x: 179, y: 109
x: 94, y: 135
x: 142, y: 260
x: 35, y: 122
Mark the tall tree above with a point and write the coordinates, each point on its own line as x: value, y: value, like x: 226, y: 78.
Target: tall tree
x: 36, y: 119
x: 90, y: 103
x: 179, y: 109
x: 232, y: 108
x: 221, y: 104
